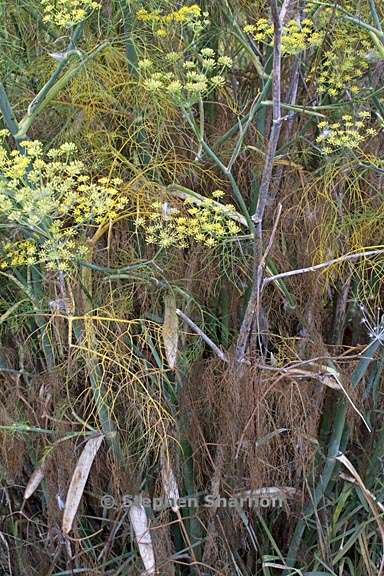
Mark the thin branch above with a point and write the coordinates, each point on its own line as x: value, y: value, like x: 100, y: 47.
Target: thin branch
x: 232, y: 131
x: 201, y: 129
x: 253, y: 306
x: 68, y: 52
x: 294, y: 109
x: 243, y: 131
x: 283, y: 11
x: 202, y: 334
x: 51, y: 89
x: 375, y: 15
x: 291, y: 98
x: 108, y: 270
x: 323, y: 265
x: 211, y: 154
x: 276, y: 118
x: 241, y: 36
x: 272, y: 236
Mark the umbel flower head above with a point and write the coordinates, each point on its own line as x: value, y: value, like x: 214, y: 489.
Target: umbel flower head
x: 184, y: 75
x: 185, y: 81
x: 208, y: 223
x: 48, y: 199
x: 347, y: 132
x: 164, y: 25
x: 184, y: 15
x: 66, y: 13
x: 296, y: 36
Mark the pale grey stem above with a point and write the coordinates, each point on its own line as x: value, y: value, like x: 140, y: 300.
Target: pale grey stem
x: 284, y: 10
x: 322, y: 265
x: 252, y: 311
x: 202, y: 334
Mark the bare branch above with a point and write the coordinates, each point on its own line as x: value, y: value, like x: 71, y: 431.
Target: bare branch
x: 272, y: 236
x: 202, y: 334
x: 323, y: 265
x: 253, y: 306
x: 276, y: 118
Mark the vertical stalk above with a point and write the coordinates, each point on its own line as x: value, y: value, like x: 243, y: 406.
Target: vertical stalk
x: 7, y: 112
x: 265, y: 184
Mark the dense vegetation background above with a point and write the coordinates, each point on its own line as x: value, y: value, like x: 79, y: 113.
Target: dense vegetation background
x: 191, y: 262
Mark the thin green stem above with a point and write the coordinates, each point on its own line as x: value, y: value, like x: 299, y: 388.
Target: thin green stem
x: 70, y: 50
x: 375, y: 15
x: 7, y: 112
x: 235, y: 128
x: 50, y: 93
x: 227, y: 173
x: 348, y: 16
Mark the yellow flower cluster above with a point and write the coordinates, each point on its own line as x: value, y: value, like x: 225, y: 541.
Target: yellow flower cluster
x: 89, y: 202
x: 164, y: 25
x: 209, y: 223
x: 66, y: 13
x: 61, y: 248
x: 296, y: 36
x: 344, y: 63
x: 184, y: 81
x: 57, y: 252
x: 348, y: 48
x: 347, y: 133
x: 18, y: 253
x: 261, y: 30
x: 34, y: 187
x: 183, y: 14
x: 49, y: 198
x: 299, y: 36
